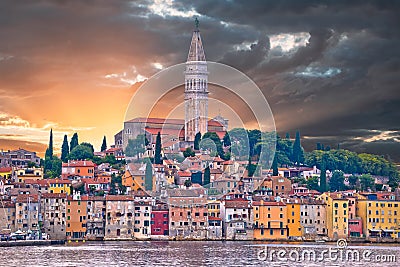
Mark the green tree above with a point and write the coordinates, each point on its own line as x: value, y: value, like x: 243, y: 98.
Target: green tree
x: 298, y: 151
x: 227, y: 140
x: 136, y: 146
x: 212, y: 136
x: 188, y: 152
x: 367, y: 182
x: 31, y: 164
x: 74, y: 142
x: 81, y: 152
x: 254, y: 138
x: 207, y: 176
x: 64, y: 149
x: 319, y: 146
x: 336, y: 183
x: 312, y: 183
x: 148, y: 181
x: 353, y: 179
x: 89, y: 145
x: 275, y: 167
x: 197, y: 139
x: 116, y: 186
x: 157, y: 152
x: 104, y: 144
x: 49, y: 151
x: 251, y: 168
x: 322, y: 178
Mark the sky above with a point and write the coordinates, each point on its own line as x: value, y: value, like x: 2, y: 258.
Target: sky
x: 330, y: 69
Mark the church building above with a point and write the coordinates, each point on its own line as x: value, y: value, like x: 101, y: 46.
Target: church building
x: 179, y: 133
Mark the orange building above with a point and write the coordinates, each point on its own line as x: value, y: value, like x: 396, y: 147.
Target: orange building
x: 270, y: 220
x: 81, y: 168
x: 76, y: 217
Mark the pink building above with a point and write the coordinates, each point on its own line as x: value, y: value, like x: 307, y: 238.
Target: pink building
x: 160, y: 219
x: 355, y: 227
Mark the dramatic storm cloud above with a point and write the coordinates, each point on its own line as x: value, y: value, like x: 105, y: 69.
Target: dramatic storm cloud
x: 328, y: 68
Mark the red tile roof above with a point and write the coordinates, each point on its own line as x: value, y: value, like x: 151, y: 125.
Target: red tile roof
x: 54, y: 195
x: 119, y: 198
x: 79, y: 163
x: 25, y: 198
x: 237, y: 203
x: 5, y: 169
x: 268, y: 203
x: 184, y: 174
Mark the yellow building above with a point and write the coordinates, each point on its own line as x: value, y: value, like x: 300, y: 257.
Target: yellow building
x: 381, y: 218
x: 337, y: 215
x: 6, y: 173
x: 133, y: 180
x: 22, y: 174
x: 59, y: 186
x: 214, y: 207
x: 270, y: 220
x: 294, y: 218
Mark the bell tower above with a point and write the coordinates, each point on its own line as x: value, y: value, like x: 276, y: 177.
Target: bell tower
x: 196, y: 88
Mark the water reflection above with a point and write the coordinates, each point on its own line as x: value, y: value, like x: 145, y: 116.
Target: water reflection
x: 196, y: 253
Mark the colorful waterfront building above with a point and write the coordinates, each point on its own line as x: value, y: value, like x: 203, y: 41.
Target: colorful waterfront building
x: 188, y: 213
x: 53, y: 210
x: 76, y: 217
x: 236, y: 215
x: 27, y: 212
x: 120, y: 211
x: 293, y: 207
x: 142, y: 228
x: 96, y: 218
x: 313, y: 218
x: 270, y: 220
x: 160, y: 219
x: 7, y: 215
x: 380, y: 217
x: 337, y: 215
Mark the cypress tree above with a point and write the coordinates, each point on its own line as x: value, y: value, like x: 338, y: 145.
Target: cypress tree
x: 322, y: 177
x: 319, y: 146
x: 74, y: 142
x: 157, y: 153
x: 104, y: 144
x: 275, y: 167
x: 49, y: 151
x: 197, y: 139
x: 227, y: 140
x: 148, y: 182
x: 207, y: 176
x: 65, y: 149
x: 298, y: 152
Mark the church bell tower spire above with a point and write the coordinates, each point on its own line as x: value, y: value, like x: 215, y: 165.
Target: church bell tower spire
x: 196, y: 88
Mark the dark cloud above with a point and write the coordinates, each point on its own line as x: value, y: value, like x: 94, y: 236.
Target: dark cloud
x: 339, y: 88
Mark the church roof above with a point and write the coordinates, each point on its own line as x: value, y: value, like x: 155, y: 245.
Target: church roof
x: 196, y: 51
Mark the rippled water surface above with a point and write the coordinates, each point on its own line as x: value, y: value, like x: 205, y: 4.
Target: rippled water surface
x: 195, y: 253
